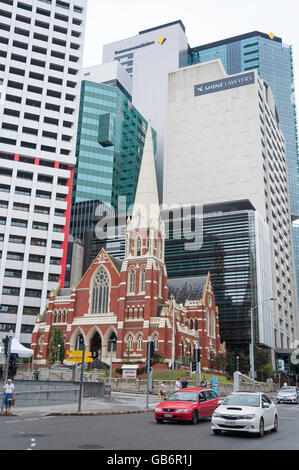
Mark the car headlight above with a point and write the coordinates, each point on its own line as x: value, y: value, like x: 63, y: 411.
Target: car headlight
x: 247, y: 416
x: 182, y: 410
x: 216, y: 415
x: 158, y: 410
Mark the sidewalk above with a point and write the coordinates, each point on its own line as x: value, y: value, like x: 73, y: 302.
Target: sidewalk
x: 118, y: 403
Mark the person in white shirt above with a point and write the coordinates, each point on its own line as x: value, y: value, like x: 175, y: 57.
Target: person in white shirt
x: 178, y: 384
x: 9, y: 390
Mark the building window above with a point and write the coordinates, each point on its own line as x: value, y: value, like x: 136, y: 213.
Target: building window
x: 138, y: 246
x: 139, y: 343
x: 130, y: 343
x: 100, y: 292
x: 213, y: 329
x: 207, y: 323
x: 156, y: 342
x: 142, y: 279
x: 131, y: 281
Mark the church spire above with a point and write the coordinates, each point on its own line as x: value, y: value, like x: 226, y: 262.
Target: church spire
x: 146, y: 210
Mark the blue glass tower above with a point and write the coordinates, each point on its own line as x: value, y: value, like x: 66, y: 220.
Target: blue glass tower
x: 274, y: 62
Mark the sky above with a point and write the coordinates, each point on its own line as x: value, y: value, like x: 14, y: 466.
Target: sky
x: 205, y: 21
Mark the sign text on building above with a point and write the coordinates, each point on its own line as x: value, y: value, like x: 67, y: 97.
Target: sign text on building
x: 224, y: 84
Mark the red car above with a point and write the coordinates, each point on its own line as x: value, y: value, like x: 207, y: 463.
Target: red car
x: 188, y: 404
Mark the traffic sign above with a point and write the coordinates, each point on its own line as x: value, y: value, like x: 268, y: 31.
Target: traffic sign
x: 79, y: 359
x: 79, y: 353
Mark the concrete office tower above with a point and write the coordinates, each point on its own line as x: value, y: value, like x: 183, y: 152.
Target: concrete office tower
x: 148, y: 57
x: 273, y: 59
x: 224, y: 143
x: 41, y: 46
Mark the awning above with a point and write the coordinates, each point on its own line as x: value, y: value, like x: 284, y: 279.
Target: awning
x: 18, y: 348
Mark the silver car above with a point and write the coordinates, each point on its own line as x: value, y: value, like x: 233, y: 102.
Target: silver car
x: 288, y: 395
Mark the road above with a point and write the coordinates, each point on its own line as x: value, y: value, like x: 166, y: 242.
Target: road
x: 136, y: 432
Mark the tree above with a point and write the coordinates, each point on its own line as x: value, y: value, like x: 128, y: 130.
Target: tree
x: 56, y: 347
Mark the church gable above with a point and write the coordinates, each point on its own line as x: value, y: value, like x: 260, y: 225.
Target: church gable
x: 102, y: 259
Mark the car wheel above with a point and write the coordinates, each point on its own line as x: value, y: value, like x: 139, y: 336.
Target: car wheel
x: 159, y: 421
x: 262, y: 428
x: 217, y: 432
x: 194, y: 418
x: 275, y: 426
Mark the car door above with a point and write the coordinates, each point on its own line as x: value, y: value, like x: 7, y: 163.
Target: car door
x: 211, y: 401
x: 268, y: 413
x: 202, y: 405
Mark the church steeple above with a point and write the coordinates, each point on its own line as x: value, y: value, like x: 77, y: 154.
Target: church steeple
x: 145, y: 228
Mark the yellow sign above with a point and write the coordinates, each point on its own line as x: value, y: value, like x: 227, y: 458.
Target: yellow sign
x: 79, y: 359
x: 271, y: 35
x: 78, y: 353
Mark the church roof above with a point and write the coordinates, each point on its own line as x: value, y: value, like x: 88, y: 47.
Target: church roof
x: 188, y: 288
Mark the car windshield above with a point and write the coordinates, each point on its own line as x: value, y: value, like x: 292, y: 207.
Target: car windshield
x: 183, y: 396
x: 242, y: 400
x: 288, y: 390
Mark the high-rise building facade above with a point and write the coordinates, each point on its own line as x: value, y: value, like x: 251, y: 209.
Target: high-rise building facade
x: 148, y: 57
x: 41, y: 47
x: 110, y: 141
x: 227, y: 128
x: 273, y: 60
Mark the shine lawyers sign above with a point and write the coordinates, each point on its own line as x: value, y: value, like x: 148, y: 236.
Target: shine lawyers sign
x: 224, y: 84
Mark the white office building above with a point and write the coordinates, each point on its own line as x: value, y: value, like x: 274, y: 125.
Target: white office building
x: 41, y: 47
x: 148, y: 57
x: 223, y: 143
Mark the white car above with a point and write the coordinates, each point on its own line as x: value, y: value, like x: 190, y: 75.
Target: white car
x: 245, y: 412
x: 288, y: 395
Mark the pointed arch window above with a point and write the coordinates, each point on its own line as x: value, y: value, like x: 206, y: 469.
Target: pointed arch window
x: 131, y: 281
x: 156, y: 341
x: 130, y: 341
x: 139, y: 343
x: 100, y: 292
x: 208, y: 322
x: 213, y: 329
x: 138, y: 250
x: 142, y: 277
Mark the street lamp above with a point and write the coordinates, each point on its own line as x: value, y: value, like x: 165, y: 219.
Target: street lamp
x: 238, y: 363
x: 252, y: 340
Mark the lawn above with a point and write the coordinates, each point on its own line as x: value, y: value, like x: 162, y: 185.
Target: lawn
x: 161, y: 374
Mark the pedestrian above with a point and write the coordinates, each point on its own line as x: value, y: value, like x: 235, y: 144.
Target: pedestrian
x: 9, y: 391
x: 162, y: 392
x: 184, y: 382
x: 178, y: 384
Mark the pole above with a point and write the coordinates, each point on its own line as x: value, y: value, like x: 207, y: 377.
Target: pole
x: 173, y: 336
x: 197, y: 358
x: 148, y: 369
x: 252, y: 350
x: 110, y: 372
x: 6, y: 366
x: 81, y: 379
x: 252, y: 340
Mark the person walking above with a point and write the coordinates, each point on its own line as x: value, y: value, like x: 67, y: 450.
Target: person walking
x: 184, y: 382
x: 9, y: 392
x: 178, y: 384
x: 162, y: 391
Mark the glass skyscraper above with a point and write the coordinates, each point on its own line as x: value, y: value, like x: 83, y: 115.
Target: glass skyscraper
x: 110, y: 144
x: 274, y: 62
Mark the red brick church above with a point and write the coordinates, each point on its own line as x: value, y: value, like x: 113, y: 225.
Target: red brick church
x: 119, y: 304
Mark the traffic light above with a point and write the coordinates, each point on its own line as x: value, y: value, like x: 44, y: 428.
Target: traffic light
x: 5, y: 341
x: 152, y: 349
x: 12, y: 367
x: 193, y: 366
x: 197, y: 355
